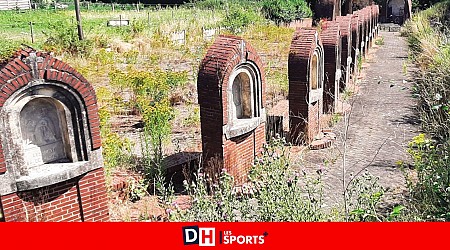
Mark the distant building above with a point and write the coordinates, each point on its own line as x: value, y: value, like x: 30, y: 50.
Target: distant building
x: 15, y: 4
x: 391, y: 11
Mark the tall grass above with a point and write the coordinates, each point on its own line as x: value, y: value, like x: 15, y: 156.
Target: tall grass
x: 428, y: 39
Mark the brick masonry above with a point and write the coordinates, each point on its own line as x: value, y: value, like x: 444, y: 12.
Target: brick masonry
x: 235, y: 154
x: 356, y: 43
x: 331, y: 39
x: 82, y: 198
x: 304, y: 115
x: 347, y: 43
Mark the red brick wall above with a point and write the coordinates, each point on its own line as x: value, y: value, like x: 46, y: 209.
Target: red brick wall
x: 79, y: 199
x: 346, y: 33
x: 16, y: 74
x: 240, y: 152
x: 212, y: 86
x: 332, y: 52
x: 367, y: 25
x: 302, y: 114
x: 314, y: 116
x: 362, y: 31
x: 356, y: 42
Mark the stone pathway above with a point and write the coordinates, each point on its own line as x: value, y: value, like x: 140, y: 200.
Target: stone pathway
x: 381, y: 124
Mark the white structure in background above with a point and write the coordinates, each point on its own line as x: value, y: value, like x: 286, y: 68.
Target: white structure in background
x: 15, y: 4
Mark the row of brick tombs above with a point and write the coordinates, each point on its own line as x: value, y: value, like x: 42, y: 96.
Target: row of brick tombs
x: 231, y: 90
x: 50, y: 156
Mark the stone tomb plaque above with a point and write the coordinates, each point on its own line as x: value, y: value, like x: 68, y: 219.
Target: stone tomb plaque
x: 41, y: 133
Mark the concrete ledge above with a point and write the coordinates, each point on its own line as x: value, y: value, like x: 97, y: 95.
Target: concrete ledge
x: 49, y: 174
x: 241, y: 127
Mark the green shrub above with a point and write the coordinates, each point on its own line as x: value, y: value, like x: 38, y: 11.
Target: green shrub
x: 285, y: 11
x: 431, y: 191
x: 116, y: 150
x: 210, y: 4
x: 151, y: 98
x: 364, y: 195
x: 274, y: 193
x: 138, y: 26
x: 7, y: 49
x: 63, y: 38
x: 238, y: 18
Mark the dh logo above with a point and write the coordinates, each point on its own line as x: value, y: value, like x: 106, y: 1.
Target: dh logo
x: 203, y: 236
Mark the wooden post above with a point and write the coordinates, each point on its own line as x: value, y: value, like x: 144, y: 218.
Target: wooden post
x: 32, y: 33
x: 78, y: 15
x: 120, y: 20
x: 148, y: 17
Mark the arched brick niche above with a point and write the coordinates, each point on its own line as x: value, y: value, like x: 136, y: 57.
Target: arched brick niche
x: 231, y: 95
x: 332, y: 47
x: 50, y: 137
x: 326, y: 9
x: 356, y: 43
x: 306, y: 74
x: 346, y: 56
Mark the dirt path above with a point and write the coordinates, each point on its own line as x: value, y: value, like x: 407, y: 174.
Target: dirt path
x: 381, y: 124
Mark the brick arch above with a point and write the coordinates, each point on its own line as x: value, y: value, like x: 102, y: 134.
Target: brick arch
x: 29, y: 65
x: 218, y: 64
x: 225, y: 150
x: 332, y: 46
x: 302, y: 126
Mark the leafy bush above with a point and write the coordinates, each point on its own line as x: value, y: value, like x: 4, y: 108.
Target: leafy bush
x: 274, y: 193
x: 7, y: 49
x: 210, y: 4
x: 151, y: 98
x: 238, y: 18
x: 285, y: 11
x: 431, y: 191
x: 63, y: 38
x: 364, y: 195
x: 116, y: 150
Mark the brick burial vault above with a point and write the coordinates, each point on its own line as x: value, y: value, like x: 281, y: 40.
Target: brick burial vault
x: 306, y: 79
x: 346, y: 49
x: 51, y: 167
x: 332, y: 46
x: 231, y: 95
